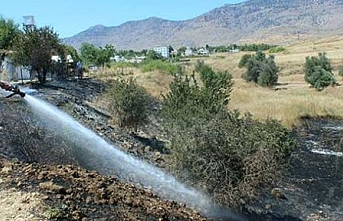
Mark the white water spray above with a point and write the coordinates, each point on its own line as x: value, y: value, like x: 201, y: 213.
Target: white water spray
x: 97, y: 154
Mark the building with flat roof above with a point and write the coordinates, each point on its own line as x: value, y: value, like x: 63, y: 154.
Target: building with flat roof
x: 163, y: 51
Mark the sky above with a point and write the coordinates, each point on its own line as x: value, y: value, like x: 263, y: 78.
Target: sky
x: 70, y: 17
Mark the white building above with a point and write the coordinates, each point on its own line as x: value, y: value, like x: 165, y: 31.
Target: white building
x: 203, y: 51
x: 163, y: 51
x: 188, y: 51
x: 10, y: 72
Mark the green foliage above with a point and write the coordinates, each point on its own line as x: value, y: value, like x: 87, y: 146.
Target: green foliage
x: 187, y: 101
x: 255, y: 47
x: 277, y: 49
x: 8, y: 32
x: 260, y: 69
x: 245, y: 47
x: 218, y: 86
x: 318, y: 71
x: 88, y: 53
x: 153, y: 55
x: 98, y: 56
x: 233, y: 157
x: 320, y: 78
x: 159, y: 65
x: 244, y: 60
x: 33, y: 49
x: 55, y: 213
x: 129, y: 103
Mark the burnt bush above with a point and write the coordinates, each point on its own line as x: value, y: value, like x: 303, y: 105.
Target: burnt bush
x: 24, y: 139
x: 232, y: 157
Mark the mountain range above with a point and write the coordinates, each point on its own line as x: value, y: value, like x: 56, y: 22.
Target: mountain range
x: 271, y: 21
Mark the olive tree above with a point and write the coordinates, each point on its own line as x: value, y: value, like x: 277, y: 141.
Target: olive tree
x: 260, y: 69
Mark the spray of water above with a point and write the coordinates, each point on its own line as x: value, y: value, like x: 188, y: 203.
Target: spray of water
x: 93, y: 152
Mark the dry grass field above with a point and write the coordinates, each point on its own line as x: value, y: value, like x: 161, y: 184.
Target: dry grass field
x: 294, y: 97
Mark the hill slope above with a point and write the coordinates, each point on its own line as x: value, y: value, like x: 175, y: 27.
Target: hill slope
x: 253, y: 20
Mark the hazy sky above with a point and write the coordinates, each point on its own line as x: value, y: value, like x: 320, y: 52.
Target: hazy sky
x: 69, y: 17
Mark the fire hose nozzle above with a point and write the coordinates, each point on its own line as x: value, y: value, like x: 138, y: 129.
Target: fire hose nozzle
x: 16, y: 91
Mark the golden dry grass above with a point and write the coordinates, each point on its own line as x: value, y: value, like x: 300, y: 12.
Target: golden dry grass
x: 293, y: 100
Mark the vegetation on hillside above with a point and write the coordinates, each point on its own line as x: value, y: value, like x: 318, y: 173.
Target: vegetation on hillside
x: 92, y: 55
x: 231, y: 156
x: 129, y: 103
x: 160, y: 65
x: 260, y: 69
x: 318, y: 71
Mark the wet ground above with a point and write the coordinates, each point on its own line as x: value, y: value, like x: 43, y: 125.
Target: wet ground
x: 312, y: 187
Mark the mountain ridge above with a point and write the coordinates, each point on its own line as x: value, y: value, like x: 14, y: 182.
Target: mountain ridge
x: 250, y: 21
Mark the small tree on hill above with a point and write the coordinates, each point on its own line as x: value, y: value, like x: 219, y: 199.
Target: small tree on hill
x: 260, y: 69
x: 318, y: 71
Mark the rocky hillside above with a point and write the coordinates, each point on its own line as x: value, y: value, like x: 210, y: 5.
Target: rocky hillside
x: 279, y: 21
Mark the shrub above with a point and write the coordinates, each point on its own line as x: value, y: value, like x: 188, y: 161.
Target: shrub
x: 187, y: 101
x: 318, y: 71
x: 230, y: 156
x: 234, y: 159
x: 129, y: 103
x: 25, y: 139
x: 260, y: 69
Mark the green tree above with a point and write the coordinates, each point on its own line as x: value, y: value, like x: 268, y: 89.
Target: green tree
x: 318, y: 71
x: 244, y: 60
x: 260, y: 69
x: 34, y: 48
x: 8, y: 32
x: 104, y: 55
x: 97, y: 56
x: 88, y: 53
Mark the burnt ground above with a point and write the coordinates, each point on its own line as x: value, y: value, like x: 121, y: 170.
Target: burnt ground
x: 311, y: 189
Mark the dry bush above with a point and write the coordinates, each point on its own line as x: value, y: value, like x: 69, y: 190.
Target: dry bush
x: 234, y: 159
x: 29, y: 142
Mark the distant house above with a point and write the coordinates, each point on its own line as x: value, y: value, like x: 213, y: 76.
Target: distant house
x: 203, y: 51
x: 234, y: 50
x: 164, y: 51
x: 188, y: 52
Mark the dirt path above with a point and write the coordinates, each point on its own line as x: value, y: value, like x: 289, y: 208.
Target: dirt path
x: 16, y: 205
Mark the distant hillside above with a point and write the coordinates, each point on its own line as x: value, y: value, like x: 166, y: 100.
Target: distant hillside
x: 280, y: 21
